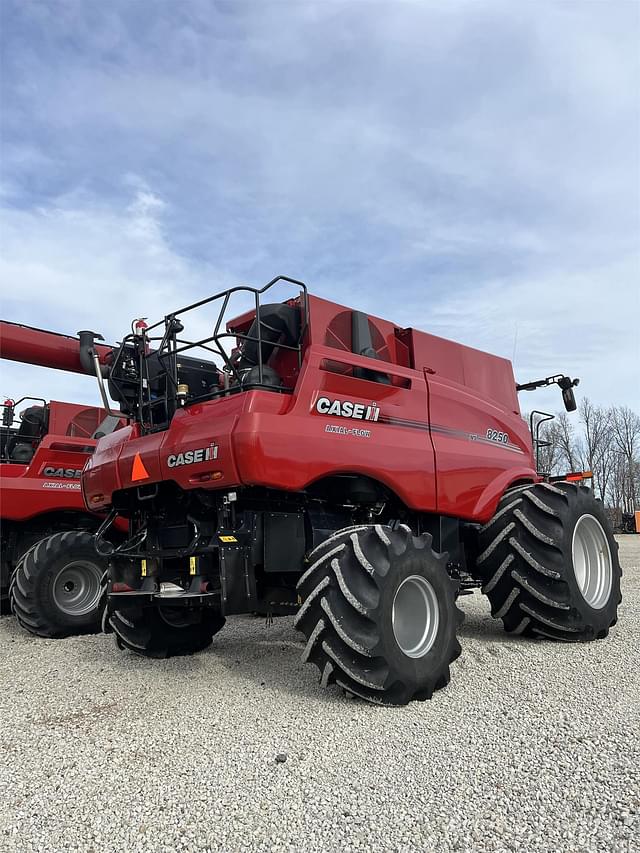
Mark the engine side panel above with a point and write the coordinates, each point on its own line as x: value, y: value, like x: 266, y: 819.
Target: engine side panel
x: 480, y: 450
x: 330, y: 429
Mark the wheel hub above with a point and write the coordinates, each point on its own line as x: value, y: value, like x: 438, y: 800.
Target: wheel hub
x: 592, y: 564
x: 76, y: 588
x: 415, y: 616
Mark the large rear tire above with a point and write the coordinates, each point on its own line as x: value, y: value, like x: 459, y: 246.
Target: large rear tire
x: 164, y: 632
x: 56, y: 587
x: 550, y: 564
x: 379, y: 614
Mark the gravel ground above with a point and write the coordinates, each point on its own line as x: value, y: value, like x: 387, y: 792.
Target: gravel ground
x: 534, y: 746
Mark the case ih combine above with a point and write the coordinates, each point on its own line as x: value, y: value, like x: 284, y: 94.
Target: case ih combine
x: 333, y: 465
x: 55, y: 585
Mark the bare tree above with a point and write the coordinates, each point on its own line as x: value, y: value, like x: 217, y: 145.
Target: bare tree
x: 595, y: 446
x: 549, y: 453
x: 567, y: 446
x: 605, y: 441
x: 606, y: 468
x: 626, y: 434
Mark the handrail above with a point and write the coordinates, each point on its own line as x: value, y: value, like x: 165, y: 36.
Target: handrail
x: 538, y: 442
x: 137, y: 349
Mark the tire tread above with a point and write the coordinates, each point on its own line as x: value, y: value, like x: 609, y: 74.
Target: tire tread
x: 39, y: 616
x: 524, y: 570
x: 340, y: 593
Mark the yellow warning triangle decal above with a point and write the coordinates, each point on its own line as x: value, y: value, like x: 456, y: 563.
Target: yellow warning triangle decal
x: 138, y: 471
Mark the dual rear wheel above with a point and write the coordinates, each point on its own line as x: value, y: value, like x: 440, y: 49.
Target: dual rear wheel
x: 379, y: 609
x: 549, y: 563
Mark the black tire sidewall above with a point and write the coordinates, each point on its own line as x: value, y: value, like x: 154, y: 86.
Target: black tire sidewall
x: 583, y: 503
x: 416, y: 671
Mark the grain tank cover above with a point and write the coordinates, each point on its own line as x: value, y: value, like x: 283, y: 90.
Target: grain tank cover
x: 487, y: 375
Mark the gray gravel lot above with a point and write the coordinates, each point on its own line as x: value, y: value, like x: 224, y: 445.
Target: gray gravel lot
x: 534, y: 746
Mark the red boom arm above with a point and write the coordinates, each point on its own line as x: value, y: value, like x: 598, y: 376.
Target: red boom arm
x: 48, y: 349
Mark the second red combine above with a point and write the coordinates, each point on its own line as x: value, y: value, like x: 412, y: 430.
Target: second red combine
x: 306, y: 458
x: 49, y: 568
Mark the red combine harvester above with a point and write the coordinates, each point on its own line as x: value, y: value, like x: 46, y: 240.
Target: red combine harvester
x: 332, y: 465
x: 56, y: 583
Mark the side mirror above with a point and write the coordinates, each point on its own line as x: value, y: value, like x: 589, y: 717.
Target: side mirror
x: 568, y: 397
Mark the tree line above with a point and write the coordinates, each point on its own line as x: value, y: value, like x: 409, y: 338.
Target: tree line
x: 603, y: 440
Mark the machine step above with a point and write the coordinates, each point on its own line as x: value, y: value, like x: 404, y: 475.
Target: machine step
x: 134, y: 598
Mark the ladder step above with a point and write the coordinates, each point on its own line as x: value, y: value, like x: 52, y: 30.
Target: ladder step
x: 137, y: 597
x: 186, y: 599
x: 171, y: 595
x: 134, y: 593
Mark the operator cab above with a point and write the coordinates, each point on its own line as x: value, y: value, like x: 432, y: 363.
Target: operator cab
x: 18, y: 444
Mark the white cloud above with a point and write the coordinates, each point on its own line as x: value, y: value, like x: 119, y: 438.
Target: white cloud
x: 566, y: 321
x: 80, y: 265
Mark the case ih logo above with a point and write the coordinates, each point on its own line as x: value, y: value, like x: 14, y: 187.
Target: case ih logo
x: 191, y: 457
x: 348, y: 409
x: 66, y: 473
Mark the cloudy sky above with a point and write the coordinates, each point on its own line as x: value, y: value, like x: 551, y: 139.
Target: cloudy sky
x: 471, y: 168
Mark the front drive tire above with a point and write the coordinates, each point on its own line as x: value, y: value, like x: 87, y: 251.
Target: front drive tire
x: 550, y: 564
x: 379, y: 614
x: 56, y: 587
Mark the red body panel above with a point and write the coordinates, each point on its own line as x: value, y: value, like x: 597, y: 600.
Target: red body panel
x: 27, y: 491
x: 439, y: 442
x: 51, y: 481
x: 473, y: 471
